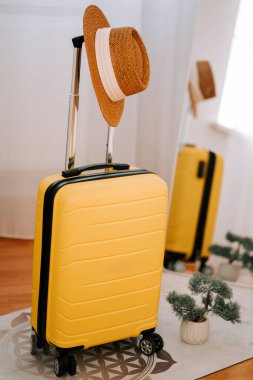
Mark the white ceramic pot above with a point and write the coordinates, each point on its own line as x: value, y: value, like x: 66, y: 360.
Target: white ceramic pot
x: 194, y: 332
x: 229, y: 272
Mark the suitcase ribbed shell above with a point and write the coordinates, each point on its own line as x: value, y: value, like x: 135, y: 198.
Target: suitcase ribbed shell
x: 106, y: 259
x: 187, y: 200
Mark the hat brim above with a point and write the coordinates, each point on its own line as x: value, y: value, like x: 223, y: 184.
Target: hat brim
x: 94, y: 19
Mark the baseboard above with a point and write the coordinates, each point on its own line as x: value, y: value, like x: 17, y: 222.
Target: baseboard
x: 13, y: 236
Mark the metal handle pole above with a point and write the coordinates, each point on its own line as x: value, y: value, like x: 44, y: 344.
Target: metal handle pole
x: 109, y: 144
x: 73, y: 104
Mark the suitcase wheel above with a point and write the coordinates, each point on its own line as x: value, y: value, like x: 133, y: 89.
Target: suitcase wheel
x: 207, y: 270
x: 37, y: 343
x: 59, y: 366
x: 46, y: 349
x: 179, y: 266
x: 33, y: 345
x: 72, y: 365
x: 150, y: 344
x: 159, y: 342
x: 64, y: 363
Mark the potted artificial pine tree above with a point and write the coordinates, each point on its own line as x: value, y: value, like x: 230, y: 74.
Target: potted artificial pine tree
x: 240, y: 250
x: 228, y: 271
x: 216, y: 298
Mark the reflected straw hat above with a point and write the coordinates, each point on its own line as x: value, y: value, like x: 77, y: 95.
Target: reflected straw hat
x: 201, y: 85
x: 118, y: 63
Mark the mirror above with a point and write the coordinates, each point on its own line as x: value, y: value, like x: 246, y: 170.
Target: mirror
x: 217, y: 127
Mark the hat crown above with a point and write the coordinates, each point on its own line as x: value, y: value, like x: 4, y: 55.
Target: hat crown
x: 129, y: 59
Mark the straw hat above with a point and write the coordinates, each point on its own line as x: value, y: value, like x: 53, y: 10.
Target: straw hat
x: 201, y: 84
x: 118, y: 63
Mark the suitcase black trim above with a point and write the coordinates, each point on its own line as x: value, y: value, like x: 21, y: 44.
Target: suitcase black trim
x: 196, y: 253
x: 47, y: 232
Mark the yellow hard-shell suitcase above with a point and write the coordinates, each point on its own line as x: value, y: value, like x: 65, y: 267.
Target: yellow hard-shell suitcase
x: 98, y: 257
x: 194, y: 205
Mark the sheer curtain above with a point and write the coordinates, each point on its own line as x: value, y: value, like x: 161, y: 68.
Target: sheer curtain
x: 236, y: 103
x: 237, y: 212
x: 36, y: 65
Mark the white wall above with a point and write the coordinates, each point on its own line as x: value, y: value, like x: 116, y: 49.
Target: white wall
x: 35, y: 66
x: 163, y: 106
x: 213, y: 36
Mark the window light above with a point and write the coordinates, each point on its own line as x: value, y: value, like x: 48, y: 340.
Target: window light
x: 236, y: 109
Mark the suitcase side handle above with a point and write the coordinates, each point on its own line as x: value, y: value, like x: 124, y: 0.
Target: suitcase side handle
x: 77, y: 171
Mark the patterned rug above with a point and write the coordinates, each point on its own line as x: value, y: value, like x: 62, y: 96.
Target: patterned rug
x: 227, y: 345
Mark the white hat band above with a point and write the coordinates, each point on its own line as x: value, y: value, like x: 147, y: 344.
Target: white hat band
x: 105, y: 67
x: 194, y: 81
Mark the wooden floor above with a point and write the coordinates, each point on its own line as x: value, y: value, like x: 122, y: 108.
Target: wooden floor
x: 15, y: 274
x: 15, y: 294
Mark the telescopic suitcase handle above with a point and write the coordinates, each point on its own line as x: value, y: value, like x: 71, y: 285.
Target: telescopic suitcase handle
x: 73, y: 103
x: 73, y: 110
x: 77, y: 171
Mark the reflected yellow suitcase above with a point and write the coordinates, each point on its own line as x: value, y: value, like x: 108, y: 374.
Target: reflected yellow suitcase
x: 98, y: 257
x: 194, y: 205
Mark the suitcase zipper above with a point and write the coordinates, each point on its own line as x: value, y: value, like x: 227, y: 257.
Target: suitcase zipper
x: 47, y: 232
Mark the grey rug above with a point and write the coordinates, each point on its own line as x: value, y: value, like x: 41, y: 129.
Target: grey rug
x: 228, y: 344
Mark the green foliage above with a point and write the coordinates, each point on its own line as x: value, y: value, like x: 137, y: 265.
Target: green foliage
x: 239, y: 247
x: 247, y: 243
x: 219, y: 250
x: 233, y: 237
x: 216, y: 298
x: 247, y: 260
x: 184, y: 306
x: 200, y: 284
x: 227, y: 252
x: 229, y: 311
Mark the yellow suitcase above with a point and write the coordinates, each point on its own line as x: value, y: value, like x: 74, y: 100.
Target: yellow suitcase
x: 194, y: 205
x: 98, y: 256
